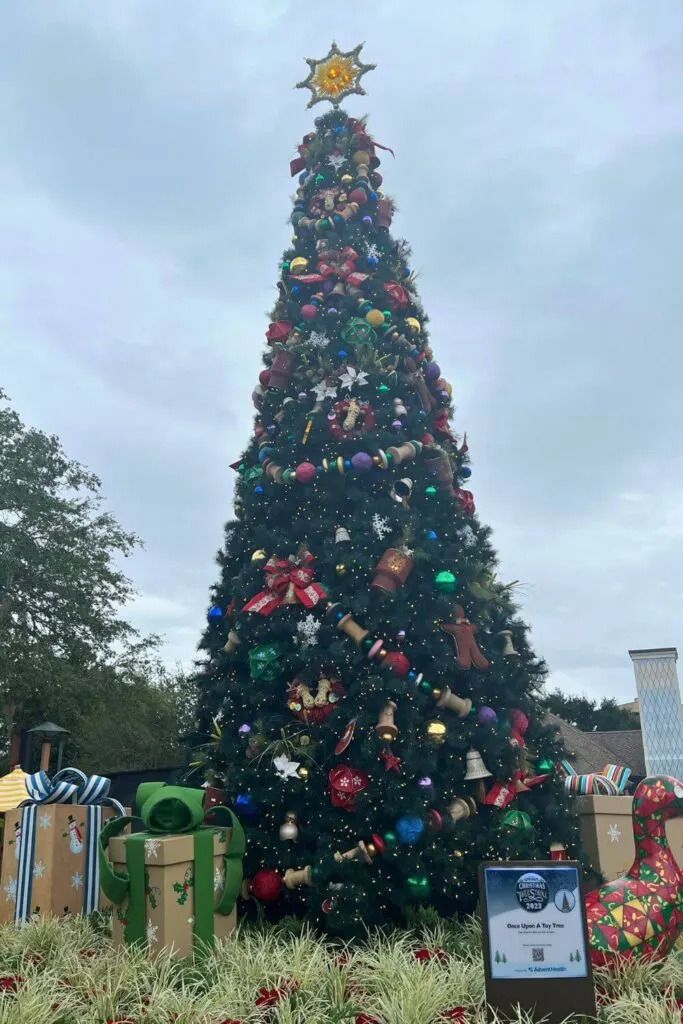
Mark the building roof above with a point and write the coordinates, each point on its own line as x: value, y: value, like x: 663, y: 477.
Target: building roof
x: 627, y: 746
x: 591, y: 751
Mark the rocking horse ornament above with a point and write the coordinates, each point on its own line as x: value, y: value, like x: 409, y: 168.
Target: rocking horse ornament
x: 641, y: 915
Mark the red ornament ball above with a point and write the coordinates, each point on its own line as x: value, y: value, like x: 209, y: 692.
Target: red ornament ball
x: 359, y: 195
x: 397, y: 662
x: 266, y: 885
x: 305, y: 472
x: 519, y: 721
x: 264, y: 377
x: 309, y: 312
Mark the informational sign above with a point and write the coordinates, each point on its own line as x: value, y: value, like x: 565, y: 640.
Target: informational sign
x: 535, y: 938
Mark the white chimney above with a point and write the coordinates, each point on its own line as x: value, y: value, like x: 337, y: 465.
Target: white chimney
x: 661, y: 714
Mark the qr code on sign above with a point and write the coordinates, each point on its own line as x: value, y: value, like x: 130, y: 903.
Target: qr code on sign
x: 538, y: 955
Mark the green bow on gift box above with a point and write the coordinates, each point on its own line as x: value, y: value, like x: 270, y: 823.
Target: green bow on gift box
x: 172, y: 810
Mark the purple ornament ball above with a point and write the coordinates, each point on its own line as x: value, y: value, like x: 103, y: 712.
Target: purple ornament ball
x: 309, y: 312
x: 396, y: 425
x: 486, y: 715
x: 244, y: 730
x: 433, y: 371
x: 362, y: 462
x: 367, y: 221
x: 425, y: 782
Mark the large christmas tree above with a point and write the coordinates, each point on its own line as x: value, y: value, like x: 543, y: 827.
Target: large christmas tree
x: 369, y: 699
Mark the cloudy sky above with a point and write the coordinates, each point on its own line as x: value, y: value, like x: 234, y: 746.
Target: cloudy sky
x: 144, y: 189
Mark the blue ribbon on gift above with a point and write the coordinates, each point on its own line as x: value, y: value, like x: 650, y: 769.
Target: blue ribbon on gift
x: 70, y: 786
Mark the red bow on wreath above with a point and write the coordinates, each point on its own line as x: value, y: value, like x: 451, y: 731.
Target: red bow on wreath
x: 286, y: 583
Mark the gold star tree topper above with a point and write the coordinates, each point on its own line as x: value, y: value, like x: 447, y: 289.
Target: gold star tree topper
x: 335, y: 76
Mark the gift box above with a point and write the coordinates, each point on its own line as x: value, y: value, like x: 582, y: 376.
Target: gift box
x: 50, y: 865
x: 175, y: 885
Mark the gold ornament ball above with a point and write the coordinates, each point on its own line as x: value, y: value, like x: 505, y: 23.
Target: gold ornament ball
x: 259, y: 556
x: 340, y: 569
x: 346, y: 179
x: 299, y: 265
x: 414, y: 324
x: 304, y: 740
x: 361, y: 157
x: 303, y: 772
x: 436, y: 731
x: 375, y: 317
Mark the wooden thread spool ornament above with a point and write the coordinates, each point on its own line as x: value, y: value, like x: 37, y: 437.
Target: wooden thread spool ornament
x: 461, y: 808
x: 446, y: 699
x: 348, y: 625
x: 367, y: 849
x: 233, y: 642
x: 294, y: 879
x: 386, y: 727
x: 402, y: 453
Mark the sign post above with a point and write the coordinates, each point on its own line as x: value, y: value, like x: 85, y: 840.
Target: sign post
x: 536, y: 952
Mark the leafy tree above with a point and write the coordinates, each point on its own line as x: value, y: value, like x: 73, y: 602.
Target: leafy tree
x: 61, y: 589
x: 588, y: 715
x: 356, y: 717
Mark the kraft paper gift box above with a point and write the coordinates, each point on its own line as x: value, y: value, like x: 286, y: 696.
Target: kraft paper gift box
x: 50, y: 861
x: 175, y: 885
x: 607, y: 834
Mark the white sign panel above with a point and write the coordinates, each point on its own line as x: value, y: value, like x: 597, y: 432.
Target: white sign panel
x: 535, y: 922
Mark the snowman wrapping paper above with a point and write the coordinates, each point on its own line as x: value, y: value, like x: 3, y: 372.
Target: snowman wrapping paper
x: 49, y: 863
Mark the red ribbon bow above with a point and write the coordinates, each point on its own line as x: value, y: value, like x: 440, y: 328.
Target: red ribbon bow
x: 342, y: 264
x: 285, y: 579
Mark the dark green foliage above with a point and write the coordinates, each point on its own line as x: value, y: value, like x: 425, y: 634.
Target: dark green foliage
x: 278, y: 518
x: 588, y: 715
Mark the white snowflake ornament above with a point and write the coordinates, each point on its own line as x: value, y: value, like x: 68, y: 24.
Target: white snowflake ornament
x: 38, y: 869
x: 152, y: 848
x: 380, y: 526
x: 11, y: 890
x: 285, y: 768
x: 337, y: 160
x: 351, y: 377
x: 614, y: 833
x: 467, y: 536
x: 318, y: 339
x: 152, y: 930
x: 371, y: 251
x: 77, y: 880
x: 308, y: 630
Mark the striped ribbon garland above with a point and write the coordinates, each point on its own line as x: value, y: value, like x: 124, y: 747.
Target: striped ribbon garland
x: 70, y: 786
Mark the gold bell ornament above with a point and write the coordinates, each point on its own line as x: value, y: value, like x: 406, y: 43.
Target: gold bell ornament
x: 476, y: 769
x: 508, y: 647
x: 447, y: 699
x: 289, y: 828
x: 462, y: 807
x: 436, y: 731
x: 294, y: 879
x: 386, y: 727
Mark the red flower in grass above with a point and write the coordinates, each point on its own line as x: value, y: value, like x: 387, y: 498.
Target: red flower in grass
x: 229, y: 1020
x: 11, y: 982
x: 423, y: 955
x: 272, y: 996
x: 365, y: 1018
x: 457, y: 1014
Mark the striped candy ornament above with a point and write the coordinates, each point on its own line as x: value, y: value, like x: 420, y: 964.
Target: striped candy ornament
x: 70, y: 786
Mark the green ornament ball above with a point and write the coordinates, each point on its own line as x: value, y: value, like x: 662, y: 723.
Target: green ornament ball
x: 383, y: 388
x: 391, y: 840
x: 430, y: 491
x: 358, y: 332
x: 546, y: 765
x: 418, y: 885
x: 264, y: 662
x: 446, y: 582
x: 518, y: 820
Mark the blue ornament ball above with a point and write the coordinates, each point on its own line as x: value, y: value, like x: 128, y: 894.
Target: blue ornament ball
x: 409, y: 829
x: 265, y: 453
x: 258, y: 489
x: 246, y: 805
x: 466, y: 472
x: 296, y: 289
x: 372, y: 261
x: 432, y: 535
x: 215, y: 612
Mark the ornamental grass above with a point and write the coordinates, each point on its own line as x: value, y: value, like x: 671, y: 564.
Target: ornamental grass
x: 68, y: 972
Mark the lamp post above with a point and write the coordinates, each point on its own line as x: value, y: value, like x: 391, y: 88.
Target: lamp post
x: 50, y: 733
